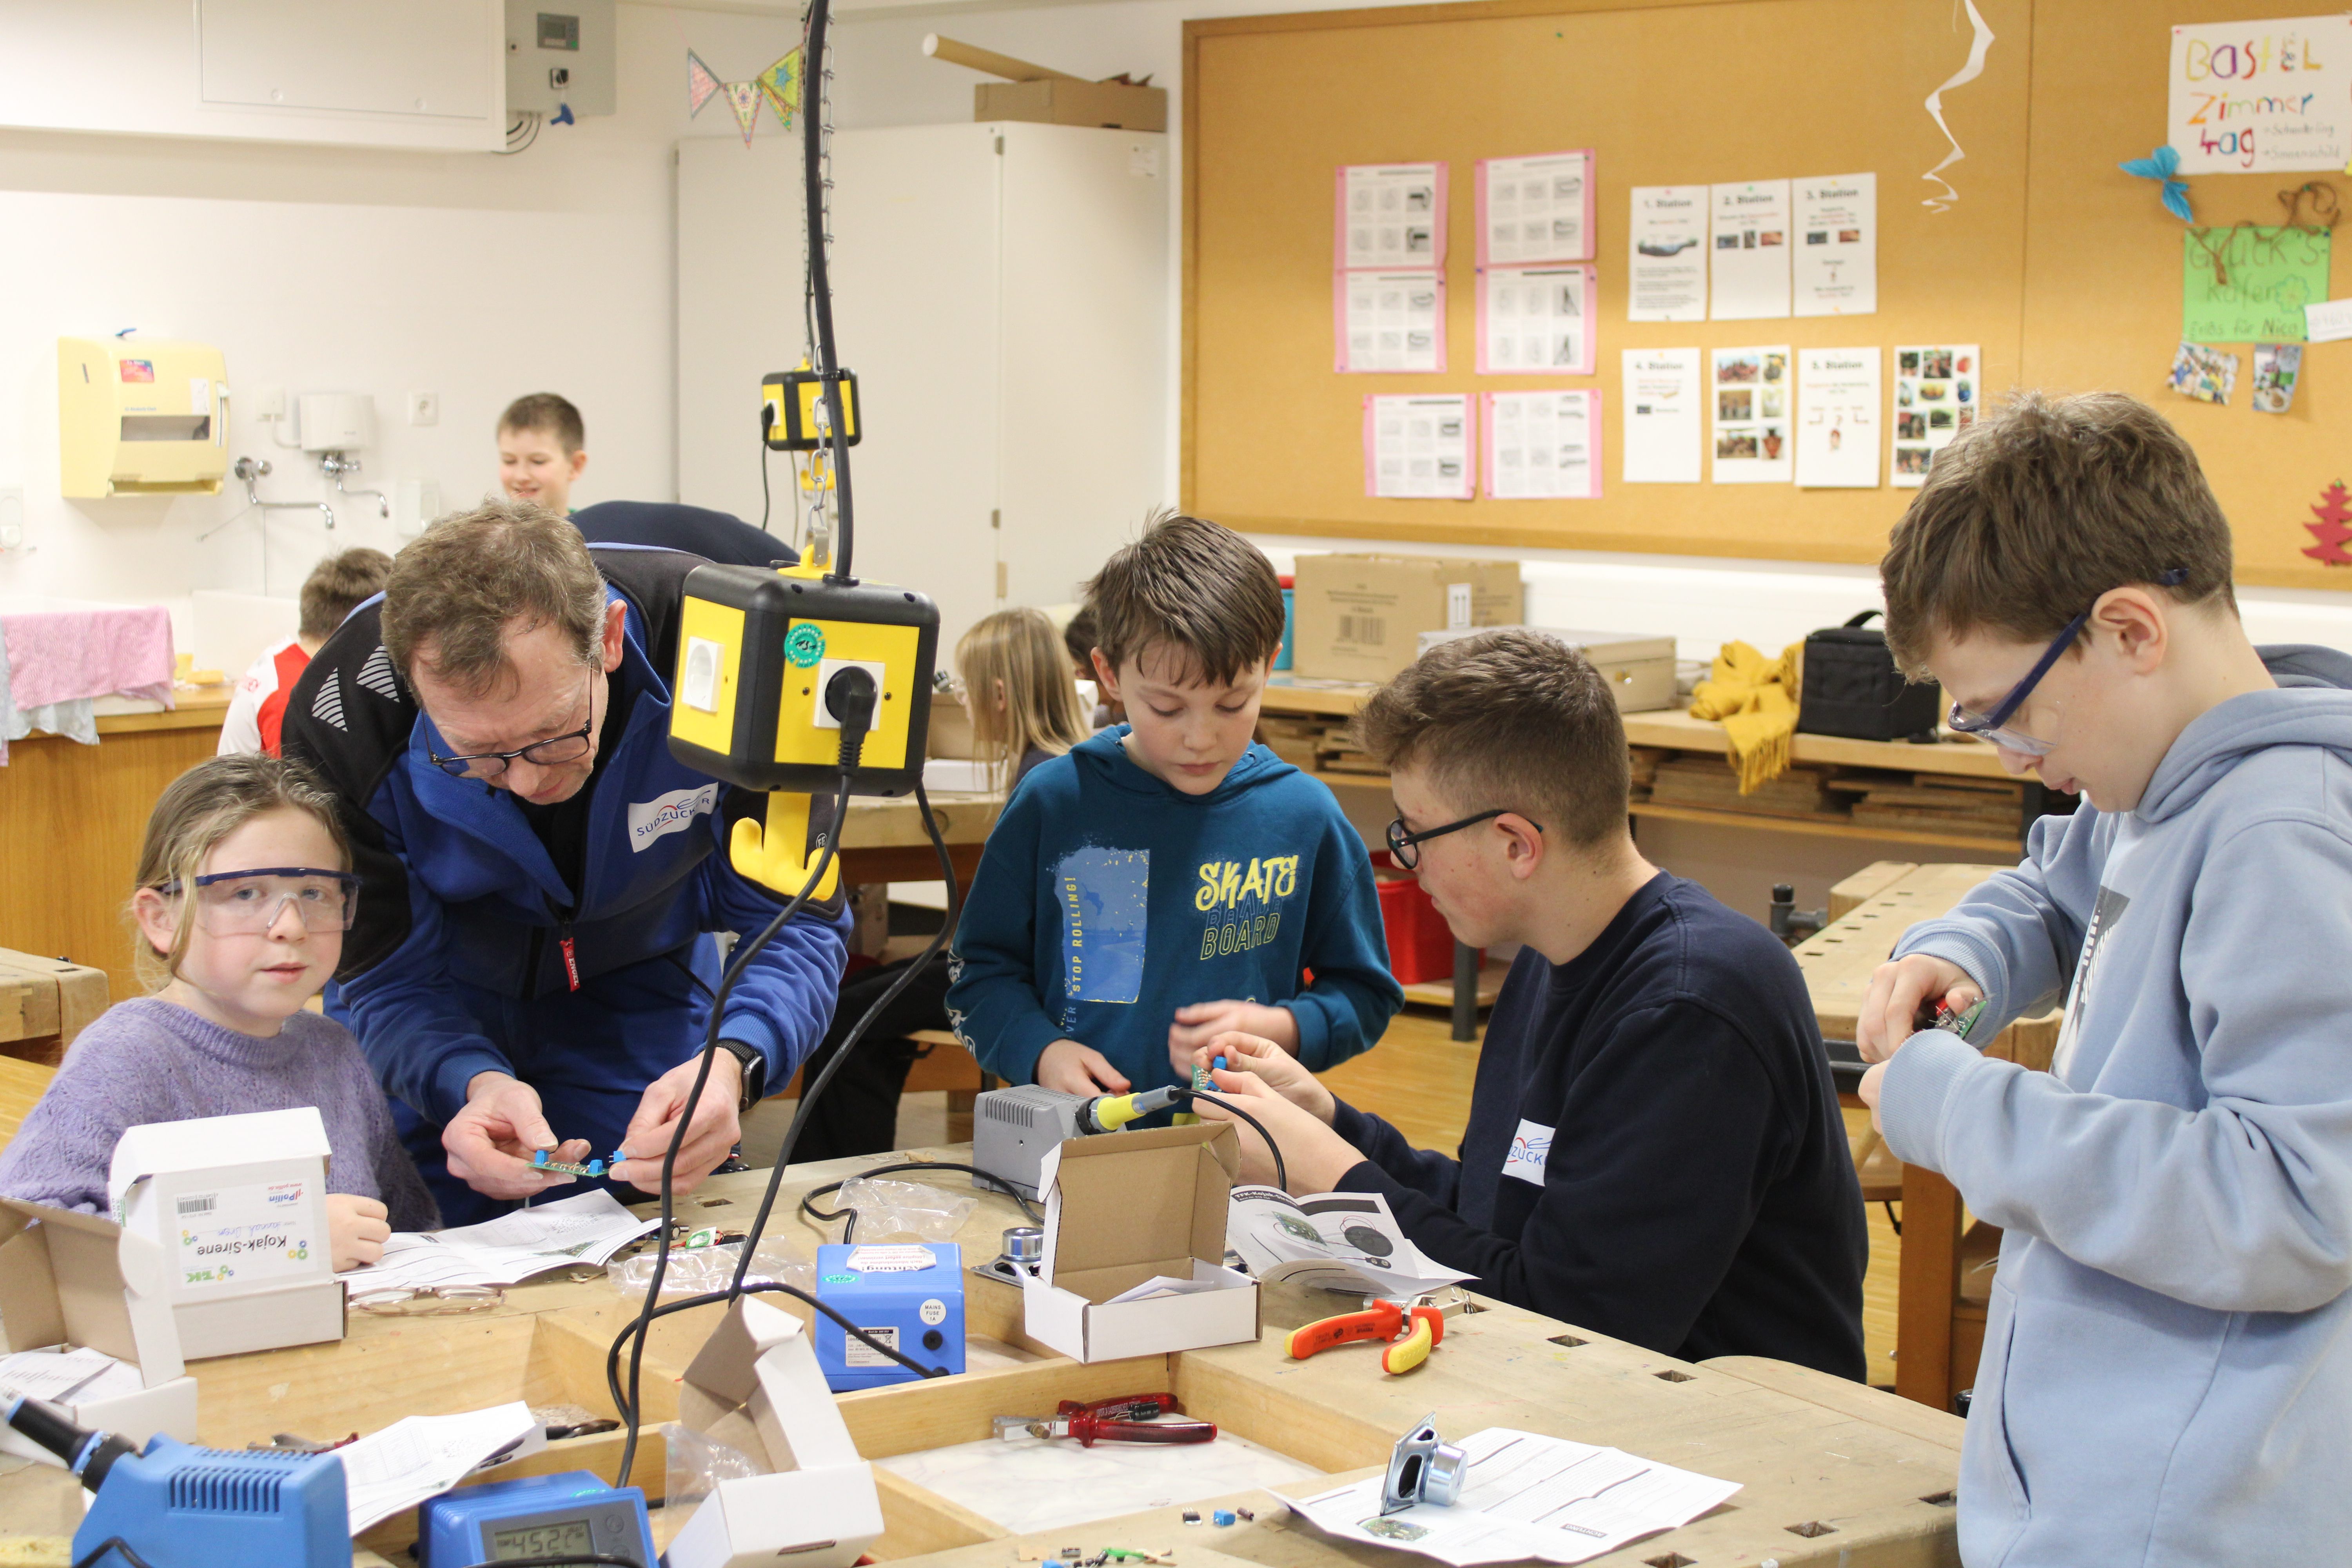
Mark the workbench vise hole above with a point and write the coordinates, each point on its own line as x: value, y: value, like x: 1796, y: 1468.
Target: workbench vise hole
x: 1567, y: 1342
x: 1671, y: 1560
x: 1940, y: 1500
x: 1810, y: 1529
x: 1670, y: 1375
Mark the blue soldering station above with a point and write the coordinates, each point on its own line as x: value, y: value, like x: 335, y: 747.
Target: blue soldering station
x: 536, y: 1517
x: 172, y: 1504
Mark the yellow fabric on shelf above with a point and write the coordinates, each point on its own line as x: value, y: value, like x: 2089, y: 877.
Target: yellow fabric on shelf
x: 1755, y: 698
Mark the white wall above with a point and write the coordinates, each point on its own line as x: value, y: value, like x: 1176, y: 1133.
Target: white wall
x: 475, y: 276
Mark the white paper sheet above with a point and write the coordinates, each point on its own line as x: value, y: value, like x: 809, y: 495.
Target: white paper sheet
x: 1536, y: 320
x: 421, y: 1457
x: 1834, y: 259
x: 2256, y: 96
x: 1390, y: 320
x: 1666, y: 277
x: 587, y: 1229
x: 1838, y: 400
x: 1749, y: 392
x: 1527, y: 1496
x: 1389, y: 215
x: 1338, y: 1241
x: 1535, y: 209
x: 61, y: 1376
x: 1421, y: 445
x: 1543, y: 446
x: 1748, y: 263
x: 2329, y: 321
x: 1937, y: 393
x: 1664, y: 419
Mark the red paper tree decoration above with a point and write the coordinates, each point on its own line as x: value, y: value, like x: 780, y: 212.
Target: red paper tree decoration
x: 2334, y: 529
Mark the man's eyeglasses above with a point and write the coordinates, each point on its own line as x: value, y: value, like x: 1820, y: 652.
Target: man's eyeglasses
x: 568, y: 748
x: 247, y: 903
x: 1404, y: 848
x: 1994, y: 726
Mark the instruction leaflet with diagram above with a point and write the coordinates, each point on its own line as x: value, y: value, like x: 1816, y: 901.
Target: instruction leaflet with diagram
x: 1543, y: 446
x: 1420, y: 444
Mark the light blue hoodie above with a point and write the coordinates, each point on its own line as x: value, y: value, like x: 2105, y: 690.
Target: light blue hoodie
x: 2167, y: 1375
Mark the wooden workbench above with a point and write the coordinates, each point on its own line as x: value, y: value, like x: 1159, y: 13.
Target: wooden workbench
x: 1811, y: 1450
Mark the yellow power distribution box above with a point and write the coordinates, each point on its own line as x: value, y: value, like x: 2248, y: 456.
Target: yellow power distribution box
x: 141, y: 418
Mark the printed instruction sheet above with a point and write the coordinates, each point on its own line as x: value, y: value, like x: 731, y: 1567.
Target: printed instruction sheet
x: 1748, y: 263
x: 1834, y: 262
x: 1838, y: 400
x: 1535, y: 209
x: 1536, y: 318
x: 1543, y: 446
x: 1936, y: 398
x: 1390, y: 321
x: 1664, y: 418
x: 1666, y: 275
x: 1390, y: 214
x: 1420, y: 446
x: 1750, y: 388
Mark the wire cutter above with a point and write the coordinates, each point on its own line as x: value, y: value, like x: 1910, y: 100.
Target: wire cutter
x: 1127, y: 1419
x: 1408, y: 1341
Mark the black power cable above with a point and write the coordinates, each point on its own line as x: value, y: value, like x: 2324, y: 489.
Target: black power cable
x: 849, y: 1231
x: 828, y: 364
x: 767, y: 423
x: 1281, y: 1173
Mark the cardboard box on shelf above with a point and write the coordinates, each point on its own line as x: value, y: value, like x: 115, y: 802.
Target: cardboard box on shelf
x: 1126, y: 1207
x: 236, y: 1209
x: 1640, y: 670
x: 756, y: 1388
x: 1360, y: 617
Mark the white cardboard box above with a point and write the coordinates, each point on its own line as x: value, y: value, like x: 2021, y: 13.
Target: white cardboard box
x: 755, y: 1386
x: 75, y: 1280
x: 237, y: 1206
x: 1121, y: 1208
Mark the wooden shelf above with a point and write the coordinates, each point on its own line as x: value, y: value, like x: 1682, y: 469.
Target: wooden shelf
x: 1824, y: 828
x: 1440, y: 992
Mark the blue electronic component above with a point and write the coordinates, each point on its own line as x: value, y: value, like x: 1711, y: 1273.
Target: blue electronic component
x: 205, y: 1507
x: 538, y: 1516
x: 539, y: 1162
x: 908, y: 1295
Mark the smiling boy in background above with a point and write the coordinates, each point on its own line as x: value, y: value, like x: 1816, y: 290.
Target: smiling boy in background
x: 1169, y: 880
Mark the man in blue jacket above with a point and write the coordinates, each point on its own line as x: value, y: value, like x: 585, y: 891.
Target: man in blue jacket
x: 531, y: 966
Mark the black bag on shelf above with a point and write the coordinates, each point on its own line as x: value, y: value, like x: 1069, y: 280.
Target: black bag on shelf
x: 1853, y: 688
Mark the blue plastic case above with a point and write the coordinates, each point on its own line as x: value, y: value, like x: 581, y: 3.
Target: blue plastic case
x: 910, y: 1295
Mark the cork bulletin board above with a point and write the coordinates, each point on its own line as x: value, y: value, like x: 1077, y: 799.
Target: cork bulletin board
x: 2065, y: 271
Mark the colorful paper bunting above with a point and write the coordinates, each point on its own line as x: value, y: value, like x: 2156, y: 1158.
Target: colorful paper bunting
x: 701, y: 81
x: 781, y: 83
x: 743, y: 98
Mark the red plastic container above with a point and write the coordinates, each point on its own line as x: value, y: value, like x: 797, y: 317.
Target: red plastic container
x: 1420, y: 945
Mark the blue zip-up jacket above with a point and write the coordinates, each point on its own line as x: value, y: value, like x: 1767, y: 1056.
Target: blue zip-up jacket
x: 457, y: 964
x: 1068, y: 934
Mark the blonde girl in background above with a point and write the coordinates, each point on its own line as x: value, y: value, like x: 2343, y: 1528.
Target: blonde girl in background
x: 244, y: 890
x: 1017, y: 687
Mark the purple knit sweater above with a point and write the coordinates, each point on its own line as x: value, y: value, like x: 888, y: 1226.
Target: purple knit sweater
x: 152, y: 1060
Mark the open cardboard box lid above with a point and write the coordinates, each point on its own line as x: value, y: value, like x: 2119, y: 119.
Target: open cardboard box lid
x: 1123, y: 1206
x: 208, y: 1142
x: 80, y: 1279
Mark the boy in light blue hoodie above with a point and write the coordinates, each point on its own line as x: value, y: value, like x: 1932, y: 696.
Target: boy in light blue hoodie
x: 1170, y: 880
x: 2167, y: 1373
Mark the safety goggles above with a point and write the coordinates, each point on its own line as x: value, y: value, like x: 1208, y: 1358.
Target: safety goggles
x: 1404, y: 848
x: 247, y: 903
x: 1994, y: 726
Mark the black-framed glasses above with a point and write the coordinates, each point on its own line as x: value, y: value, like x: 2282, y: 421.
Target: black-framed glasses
x: 1404, y: 848
x: 1994, y: 726
x: 247, y: 903
x: 566, y: 747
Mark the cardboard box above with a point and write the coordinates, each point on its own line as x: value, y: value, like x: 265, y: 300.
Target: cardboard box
x: 1057, y: 100
x: 1640, y: 670
x: 1360, y: 617
x: 75, y: 1280
x: 755, y: 1386
x: 237, y: 1208
x: 1120, y: 1208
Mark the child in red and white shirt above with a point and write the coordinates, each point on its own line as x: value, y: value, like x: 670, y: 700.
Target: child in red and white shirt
x: 337, y: 585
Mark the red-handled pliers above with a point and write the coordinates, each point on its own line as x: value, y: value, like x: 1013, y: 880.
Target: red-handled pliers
x: 1126, y: 1419
x: 1406, y: 1347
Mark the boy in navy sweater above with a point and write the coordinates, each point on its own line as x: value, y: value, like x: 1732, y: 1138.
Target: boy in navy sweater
x: 1167, y: 881
x: 1654, y: 1148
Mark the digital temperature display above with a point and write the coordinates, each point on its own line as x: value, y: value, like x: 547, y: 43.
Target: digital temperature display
x: 554, y: 1539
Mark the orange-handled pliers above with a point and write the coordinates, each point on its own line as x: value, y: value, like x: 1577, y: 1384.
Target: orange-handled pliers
x: 1408, y: 1344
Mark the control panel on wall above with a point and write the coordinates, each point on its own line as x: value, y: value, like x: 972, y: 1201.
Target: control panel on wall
x: 560, y: 54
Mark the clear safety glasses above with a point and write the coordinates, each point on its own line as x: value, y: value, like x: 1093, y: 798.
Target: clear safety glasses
x: 1994, y: 726
x: 428, y: 1302
x: 245, y: 903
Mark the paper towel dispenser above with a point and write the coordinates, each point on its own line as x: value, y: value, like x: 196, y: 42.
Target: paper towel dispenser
x: 141, y: 418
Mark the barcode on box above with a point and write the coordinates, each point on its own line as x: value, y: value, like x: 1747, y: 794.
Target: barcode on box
x: 198, y: 1203
x: 1373, y: 631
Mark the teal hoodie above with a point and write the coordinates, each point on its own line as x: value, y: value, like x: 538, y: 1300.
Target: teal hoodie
x: 1106, y: 900
x: 2167, y: 1375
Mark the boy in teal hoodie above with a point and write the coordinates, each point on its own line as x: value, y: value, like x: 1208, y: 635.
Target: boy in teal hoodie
x: 2167, y: 1373
x: 1170, y: 880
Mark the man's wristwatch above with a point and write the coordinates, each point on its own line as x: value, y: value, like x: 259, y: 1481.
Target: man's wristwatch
x: 755, y: 1073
